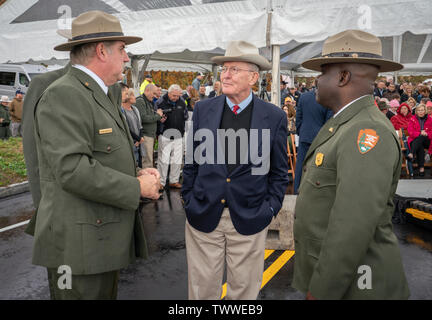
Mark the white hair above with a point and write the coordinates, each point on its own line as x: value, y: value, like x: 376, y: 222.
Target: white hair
x: 174, y: 87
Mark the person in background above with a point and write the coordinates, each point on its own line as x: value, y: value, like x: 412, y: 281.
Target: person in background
x: 201, y: 92
x: 217, y: 90
x: 380, y: 89
x: 289, y: 108
x: 134, y: 122
x: 429, y: 108
x: 149, y: 121
x: 283, y: 92
x: 170, y: 141
x: 15, y: 111
x: 310, y: 117
x: 147, y: 79
x: 408, y: 93
x: 383, y: 107
x: 401, y: 119
x: 196, y: 83
x: 394, y: 105
x: 420, y: 136
x: 4, y: 118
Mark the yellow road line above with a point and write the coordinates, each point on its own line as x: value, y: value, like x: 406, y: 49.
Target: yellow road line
x: 270, y: 271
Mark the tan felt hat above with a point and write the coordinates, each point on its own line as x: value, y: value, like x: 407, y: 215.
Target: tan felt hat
x: 352, y: 46
x: 94, y: 26
x: 245, y: 52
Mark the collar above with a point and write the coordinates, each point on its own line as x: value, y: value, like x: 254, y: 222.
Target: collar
x: 242, y: 104
x: 93, y: 75
x: 346, y: 106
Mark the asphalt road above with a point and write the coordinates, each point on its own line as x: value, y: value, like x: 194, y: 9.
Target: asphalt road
x: 164, y: 275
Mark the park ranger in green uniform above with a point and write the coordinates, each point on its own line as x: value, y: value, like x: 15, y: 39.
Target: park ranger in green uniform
x: 87, y: 221
x: 344, y: 240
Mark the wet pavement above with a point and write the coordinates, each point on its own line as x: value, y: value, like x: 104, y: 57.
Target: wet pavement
x: 164, y: 274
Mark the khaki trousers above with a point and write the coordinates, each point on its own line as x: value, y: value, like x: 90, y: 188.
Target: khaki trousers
x: 147, y: 160
x: 206, y: 256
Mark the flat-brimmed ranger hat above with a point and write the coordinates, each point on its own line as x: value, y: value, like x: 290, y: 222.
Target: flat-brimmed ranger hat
x: 245, y: 52
x: 352, y: 46
x: 94, y: 26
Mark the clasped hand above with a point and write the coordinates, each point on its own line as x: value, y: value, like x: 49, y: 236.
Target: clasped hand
x: 149, y: 180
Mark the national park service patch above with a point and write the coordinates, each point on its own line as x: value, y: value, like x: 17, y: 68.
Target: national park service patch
x: 367, y: 140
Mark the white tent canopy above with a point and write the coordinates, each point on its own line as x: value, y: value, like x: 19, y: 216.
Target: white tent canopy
x: 182, y: 32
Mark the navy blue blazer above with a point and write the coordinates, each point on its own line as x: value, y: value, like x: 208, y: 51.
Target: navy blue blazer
x: 253, y: 199
x: 310, y: 117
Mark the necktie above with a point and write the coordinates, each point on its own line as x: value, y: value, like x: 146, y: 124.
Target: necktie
x: 235, y: 109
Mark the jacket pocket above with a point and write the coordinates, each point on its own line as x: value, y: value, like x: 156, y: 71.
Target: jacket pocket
x: 106, y: 143
x: 321, y: 178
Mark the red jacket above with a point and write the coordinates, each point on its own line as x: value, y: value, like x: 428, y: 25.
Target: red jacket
x: 414, y: 130
x: 399, y: 121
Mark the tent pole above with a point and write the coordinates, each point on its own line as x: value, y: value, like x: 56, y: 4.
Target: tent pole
x: 275, y: 87
x: 135, y: 74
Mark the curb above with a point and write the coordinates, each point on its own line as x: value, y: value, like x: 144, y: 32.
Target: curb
x: 14, y: 189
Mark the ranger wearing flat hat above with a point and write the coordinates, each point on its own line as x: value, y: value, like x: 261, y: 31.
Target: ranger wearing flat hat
x: 344, y: 240
x: 87, y: 217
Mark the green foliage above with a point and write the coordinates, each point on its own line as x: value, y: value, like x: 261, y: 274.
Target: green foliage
x: 12, y: 165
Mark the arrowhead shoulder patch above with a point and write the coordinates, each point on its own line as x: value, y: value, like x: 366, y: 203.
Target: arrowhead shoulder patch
x: 367, y: 140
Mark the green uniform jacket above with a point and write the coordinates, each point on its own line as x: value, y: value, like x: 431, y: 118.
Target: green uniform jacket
x: 149, y: 117
x: 37, y: 86
x: 4, y: 125
x: 344, y: 208
x: 87, y: 216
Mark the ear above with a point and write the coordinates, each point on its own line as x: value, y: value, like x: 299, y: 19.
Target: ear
x: 254, y: 78
x: 101, y: 51
x: 344, y: 78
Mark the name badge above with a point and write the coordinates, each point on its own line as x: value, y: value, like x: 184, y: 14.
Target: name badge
x: 105, y: 131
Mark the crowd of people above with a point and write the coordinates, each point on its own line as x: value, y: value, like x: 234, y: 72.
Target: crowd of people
x: 408, y: 106
x: 11, y: 116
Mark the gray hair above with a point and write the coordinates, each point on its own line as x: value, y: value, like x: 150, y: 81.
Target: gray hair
x: 149, y: 87
x: 253, y: 67
x: 82, y: 54
x: 174, y: 87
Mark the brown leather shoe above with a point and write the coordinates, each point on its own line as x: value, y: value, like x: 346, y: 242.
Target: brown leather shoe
x: 175, y: 185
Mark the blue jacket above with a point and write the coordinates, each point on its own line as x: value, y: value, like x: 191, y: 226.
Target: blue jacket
x: 310, y: 117
x: 253, y: 199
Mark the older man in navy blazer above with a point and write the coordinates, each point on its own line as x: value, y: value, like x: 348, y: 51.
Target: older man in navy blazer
x: 232, y: 191
x: 310, y: 117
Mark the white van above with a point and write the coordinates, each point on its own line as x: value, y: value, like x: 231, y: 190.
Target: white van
x: 15, y: 77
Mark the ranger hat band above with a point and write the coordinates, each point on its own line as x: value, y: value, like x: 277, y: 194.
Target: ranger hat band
x: 352, y: 46
x: 94, y: 26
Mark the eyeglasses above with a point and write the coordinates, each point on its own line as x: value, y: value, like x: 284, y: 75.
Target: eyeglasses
x: 233, y: 70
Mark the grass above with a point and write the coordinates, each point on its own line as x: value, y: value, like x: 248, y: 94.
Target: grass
x: 12, y: 165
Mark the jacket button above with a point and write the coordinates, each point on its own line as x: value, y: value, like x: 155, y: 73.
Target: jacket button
x: 109, y: 148
x: 228, y: 180
x: 223, y: 201
x: 304, y: 170
x: 98, y: 221
x: 317, y: 183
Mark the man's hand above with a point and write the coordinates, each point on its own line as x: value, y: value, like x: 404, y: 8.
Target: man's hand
x: 151, y: 171
x: 1, y: 120
x: 149, y: 186
x: 424, y: 133
x: 159, y: 112
x: 163, y: 119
